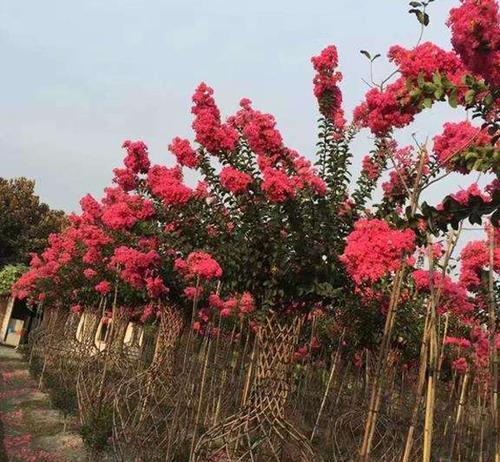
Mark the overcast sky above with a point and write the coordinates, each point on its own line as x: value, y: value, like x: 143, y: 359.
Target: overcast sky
x: 79, y: 77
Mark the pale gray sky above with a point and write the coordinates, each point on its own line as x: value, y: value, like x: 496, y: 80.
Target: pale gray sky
x: 79, y: 77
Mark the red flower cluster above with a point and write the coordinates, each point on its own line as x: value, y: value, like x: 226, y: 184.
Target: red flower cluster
x: 426, y: 59
x: 453, y: 297
x: 210, y: 132
x: 374, y: 250
x: 456, y: 139
x: 125, y: 178
x: 475, y: 28
x: 134, y: 265
x: 184, y: 153
x: 123, y: 210
x: 474, y: 259
x: 137, y: 160
x: 198, y: 264
x: 104, y: 287
x: 326, y: 89
x: 167, y: 184
x: 383, y: 110
x: 277, y: 185
x: 463, y: 196
x: 234, y: 180
x: 392, y: 107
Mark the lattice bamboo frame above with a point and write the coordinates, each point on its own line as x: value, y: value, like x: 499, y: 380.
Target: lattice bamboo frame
x: 260, y: 432
x: 145, y: 405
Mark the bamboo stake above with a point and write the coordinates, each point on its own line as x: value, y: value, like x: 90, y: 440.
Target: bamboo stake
x: 495, y: 411
x: 327, y: 389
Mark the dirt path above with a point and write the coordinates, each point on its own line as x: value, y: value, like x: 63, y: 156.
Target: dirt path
x: 32, y: 429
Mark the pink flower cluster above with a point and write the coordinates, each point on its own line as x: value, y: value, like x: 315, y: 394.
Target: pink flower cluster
x: 475, y: 28
x: 383, y: 110
x: 284, y: 170
x: 167, y: 184
x: 241, y: 305
x: 426, y: 59
x: 326, y: 87
x: 184, y: 153
x: 453, y: 296
x: 234, y: 180
x: 134, y: 266
x: 137, y: 160
x: 456, y: 139
x: 374, y: 250
x: 474, y: 259
x: 392, y: 107
x: 210, y: 132
x: 198, y: 265
x: 463, y: 196
x: 123, y: 210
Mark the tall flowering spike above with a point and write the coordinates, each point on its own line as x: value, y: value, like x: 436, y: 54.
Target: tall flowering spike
x: 457, y: 139
x: 213, y: 135
x: 475, y: 29
x: 374, y: 250
x: 326, y: 87
x: 137, y: 159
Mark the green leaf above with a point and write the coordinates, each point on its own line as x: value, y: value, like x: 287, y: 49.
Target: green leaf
x: 368, y: 55
x: 452, y: 99
x: 415, y: 4
x: 469, y: 96
x: 427, y: 102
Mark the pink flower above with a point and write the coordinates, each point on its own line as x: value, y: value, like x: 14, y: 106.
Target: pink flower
x: 125, y: 178
x: 155, y: 286
x: 456, y: 139
x: 89, y: 273
x: 199, y: 264
x: 247, y: 303
x: 475, y: 28
x: 463, y: 196
x: 326, y: 89
x: 234, y: 180
x: 277, y: 186
x: 104, y: 287
x: 374, y: 250
x: 460, y: 365
x: 134, y: 265
x: 167, y: 184
x: 185, y: 154
x: 192, y: 292
x: 76, y: 309
x: 137, y: 160
x: 210, y: 132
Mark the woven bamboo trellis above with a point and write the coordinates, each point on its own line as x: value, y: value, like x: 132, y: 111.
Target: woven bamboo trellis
x: 145, y: 404
x: 260, y: 432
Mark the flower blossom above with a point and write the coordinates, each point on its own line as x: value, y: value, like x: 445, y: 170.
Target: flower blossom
x: 456, y: 139
x: 198, y: 264
x: 475, y: 29
x: 374, y: 250
x: 326, y: 87
x: 137, y: 160
x: 234, y: 180
x: 184, y: 153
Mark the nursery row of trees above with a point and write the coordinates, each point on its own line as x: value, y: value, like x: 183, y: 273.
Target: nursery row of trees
x: 277, y: 310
